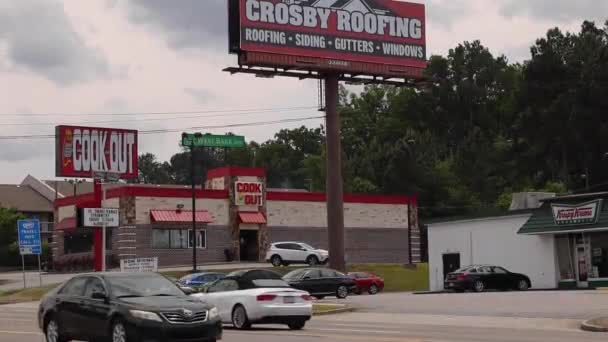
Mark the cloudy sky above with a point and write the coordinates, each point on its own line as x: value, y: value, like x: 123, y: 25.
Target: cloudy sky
x: 84, y: 58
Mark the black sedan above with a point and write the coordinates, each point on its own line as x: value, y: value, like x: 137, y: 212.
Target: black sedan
x: 124, y: 307
x: 321, y: 282
x: 483, y: 277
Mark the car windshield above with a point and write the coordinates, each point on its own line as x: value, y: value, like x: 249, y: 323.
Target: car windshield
x: 464, y: 269
x: 307, y: 246
x: 186, y: 277
x: 297, y: 274
x: 148, y: 285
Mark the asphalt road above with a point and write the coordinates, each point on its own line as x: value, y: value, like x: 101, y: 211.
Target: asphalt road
x: 17, y: 324
x: 533, y: 304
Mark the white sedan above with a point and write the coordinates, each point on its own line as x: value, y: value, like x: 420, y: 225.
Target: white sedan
x: 251, y: 297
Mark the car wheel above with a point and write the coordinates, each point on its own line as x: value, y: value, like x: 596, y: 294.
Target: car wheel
x: 296, y: 325
x: 239, y: 318
x: 276, y: 261
x: 119, y: 333
x: 373, y: 290
x: 312, y: 260
x: 522, y: 285
x: 51, y: 332
x: 478, y: 286
x: 342, y: 292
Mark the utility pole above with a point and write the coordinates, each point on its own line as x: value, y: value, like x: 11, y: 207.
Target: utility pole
x: 192, y: 176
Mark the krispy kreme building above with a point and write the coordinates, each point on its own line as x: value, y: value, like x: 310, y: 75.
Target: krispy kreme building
x: 237, y: 218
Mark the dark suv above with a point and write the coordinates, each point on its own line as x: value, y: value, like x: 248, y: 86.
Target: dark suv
x: 124, y: 307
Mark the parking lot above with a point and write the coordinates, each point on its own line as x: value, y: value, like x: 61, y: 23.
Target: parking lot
x: 531, y: 304
x: 404, y: 317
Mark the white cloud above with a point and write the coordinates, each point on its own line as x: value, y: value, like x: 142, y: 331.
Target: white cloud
x: 127, y: 56
x: 40, y: 38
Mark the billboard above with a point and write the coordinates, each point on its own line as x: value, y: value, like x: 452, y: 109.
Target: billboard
x: 329, y: 34
x: 83, y: 151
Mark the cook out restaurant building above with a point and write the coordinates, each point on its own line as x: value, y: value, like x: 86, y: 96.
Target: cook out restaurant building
x: 577, y: 226
x: 237, y: 218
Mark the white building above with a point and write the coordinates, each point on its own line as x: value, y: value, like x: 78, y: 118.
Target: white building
x: 491, y: 240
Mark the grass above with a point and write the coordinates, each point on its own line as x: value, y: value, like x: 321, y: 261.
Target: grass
x: 323, y: 308
x: 397, y: 277
x: 24, y: 295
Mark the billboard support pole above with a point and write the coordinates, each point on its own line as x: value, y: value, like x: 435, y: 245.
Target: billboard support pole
x: 192, y: 176
x: 97, y: 233
x: 335, y: 197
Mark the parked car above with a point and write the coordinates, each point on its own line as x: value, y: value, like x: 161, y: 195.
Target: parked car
x: 185, y: 288
x: 483, y: 277
x: 198, y: 280
x: 321, y: 282
x: 125, y: 307
x: 285, y: 253
x: 251, y: 297
x: 367, y: 282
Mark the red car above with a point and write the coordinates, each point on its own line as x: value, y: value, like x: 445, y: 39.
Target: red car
x: 367, y: 282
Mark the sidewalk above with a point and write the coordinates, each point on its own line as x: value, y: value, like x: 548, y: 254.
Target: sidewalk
x: 15, y: 279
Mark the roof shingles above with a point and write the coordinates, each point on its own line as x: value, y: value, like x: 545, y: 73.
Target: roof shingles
x: 23, y: 198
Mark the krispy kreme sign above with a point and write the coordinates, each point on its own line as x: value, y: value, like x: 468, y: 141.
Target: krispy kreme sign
x: 585, y: 213
x: 248, y: 193
x: 83, y: 151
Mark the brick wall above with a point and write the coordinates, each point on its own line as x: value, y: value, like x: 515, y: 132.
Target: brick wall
x: 218, y: 239
x: 363, y: 245
x: 356, y: 215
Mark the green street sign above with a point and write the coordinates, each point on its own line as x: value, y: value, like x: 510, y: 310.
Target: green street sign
x: 209, y: 140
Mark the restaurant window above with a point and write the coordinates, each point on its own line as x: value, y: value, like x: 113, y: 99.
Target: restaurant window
x: 564, y: 257
x: 177, y: 238
x: 77, y: 243
x: 599, y: 255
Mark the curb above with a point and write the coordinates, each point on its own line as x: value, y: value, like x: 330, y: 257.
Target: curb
x: 335, y: 311
x: 593, y: 326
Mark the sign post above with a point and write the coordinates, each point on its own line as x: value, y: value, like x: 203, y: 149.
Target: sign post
x: 205, y: 140
x: 98, y: 153
x: 102, y: 217
x: 28, y: 232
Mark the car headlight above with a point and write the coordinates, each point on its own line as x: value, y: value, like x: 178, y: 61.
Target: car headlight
x: 150, y: 316
x: 213, y: 313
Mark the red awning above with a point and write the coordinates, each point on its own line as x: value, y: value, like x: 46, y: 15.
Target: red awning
x: 252, y: 218
x: 174, y: 216
x: 67, y: 224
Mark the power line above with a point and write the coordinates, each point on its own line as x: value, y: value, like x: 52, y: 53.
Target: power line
x: 172, y: 130
x: 205, y: 111
x: 154, y: 119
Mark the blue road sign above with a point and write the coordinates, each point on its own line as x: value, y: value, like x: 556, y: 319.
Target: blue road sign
x: 29, y: 237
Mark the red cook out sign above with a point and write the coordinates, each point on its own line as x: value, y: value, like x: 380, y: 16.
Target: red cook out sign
x: 82, y: 151
x: 248, y: 193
